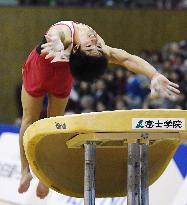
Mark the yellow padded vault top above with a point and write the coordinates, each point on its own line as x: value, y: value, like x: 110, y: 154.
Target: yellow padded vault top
x: 62, y: 168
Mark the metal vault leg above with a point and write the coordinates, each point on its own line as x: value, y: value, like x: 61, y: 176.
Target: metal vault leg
x: 89, y: 174
x: 144, y: 174
x: 137, y: 177
x: 133, y: 175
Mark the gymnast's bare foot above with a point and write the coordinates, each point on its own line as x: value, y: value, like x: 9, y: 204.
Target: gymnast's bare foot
x: 42, y: 190
x: 25, y: 181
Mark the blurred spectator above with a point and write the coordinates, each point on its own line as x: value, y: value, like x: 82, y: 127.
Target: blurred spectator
x: 168, y: 4
x: 102, y: 94
x: 136, y: 90
x: 182, y: 4
x: 120, y: 103
x: 111, y: 82
x: 144, y: 3
x: 86, y: 103
x: 120, y: 79
x: 153, y: 103
x: 100, y: 106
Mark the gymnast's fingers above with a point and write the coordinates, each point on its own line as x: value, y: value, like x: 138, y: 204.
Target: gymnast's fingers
x: 55, y: 60
x: 171, y: 95
x: 46, y: 45
x: 49, y: 55
x: 174, y: 90
x: 45, y: 50
x: 173, y: 84
x: 60, y: 59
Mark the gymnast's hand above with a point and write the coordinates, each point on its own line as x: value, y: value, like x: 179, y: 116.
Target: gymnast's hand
x: 161, y: 86
x: 55, y: 49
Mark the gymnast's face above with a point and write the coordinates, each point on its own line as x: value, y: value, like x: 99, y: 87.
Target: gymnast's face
x: 90, y: 44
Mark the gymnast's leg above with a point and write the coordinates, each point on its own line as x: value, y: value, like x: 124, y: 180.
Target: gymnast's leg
x: 56, y: 107
x: 31, y: 111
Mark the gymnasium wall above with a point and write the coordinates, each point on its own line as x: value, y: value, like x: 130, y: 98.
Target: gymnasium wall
x: 22, y: 28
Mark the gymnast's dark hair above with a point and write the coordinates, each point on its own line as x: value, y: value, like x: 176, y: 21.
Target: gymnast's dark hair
x: 85, y: 67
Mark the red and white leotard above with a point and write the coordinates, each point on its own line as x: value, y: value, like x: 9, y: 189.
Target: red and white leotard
x: 40, y: 76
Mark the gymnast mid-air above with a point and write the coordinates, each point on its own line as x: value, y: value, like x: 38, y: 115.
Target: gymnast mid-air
x: 72, y: 51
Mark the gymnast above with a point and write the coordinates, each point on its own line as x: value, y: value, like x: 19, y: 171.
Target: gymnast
x: 68, y: 51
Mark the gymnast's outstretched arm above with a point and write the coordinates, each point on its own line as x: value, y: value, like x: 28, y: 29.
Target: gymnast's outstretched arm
x: 159, y: 83
x: 131, y: 62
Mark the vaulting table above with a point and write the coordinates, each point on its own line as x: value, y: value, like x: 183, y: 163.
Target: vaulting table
x: 63, y: 151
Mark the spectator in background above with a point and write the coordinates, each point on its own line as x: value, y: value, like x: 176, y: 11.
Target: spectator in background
x: 102, y: 94
x: 86, y: 103
x: 120, y: 79
x: 153, y: 103
x: 110, y: 81
x: 136, y: 89
x: 168, y: 4
x: 182, y: 4
x: 156, y: 59
x: 100, y: 106
x: 120, y: 103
